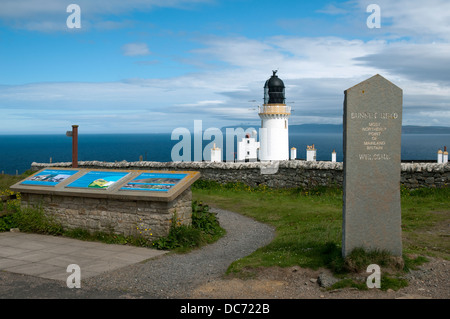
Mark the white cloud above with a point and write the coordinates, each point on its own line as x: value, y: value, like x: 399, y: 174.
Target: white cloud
x: 202, y: 103
x: 33, y: 8
x: 316, y: 72
x: 423, y: 21
x: 135, y: 49
x: 423, y: 62
x: 315, y: 77
x: 416, y: 18
x: 332, y: 9
x: 20, y: 9
x: 30, y: 14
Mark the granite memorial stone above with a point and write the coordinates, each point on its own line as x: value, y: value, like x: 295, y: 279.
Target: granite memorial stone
x: 372, y: 167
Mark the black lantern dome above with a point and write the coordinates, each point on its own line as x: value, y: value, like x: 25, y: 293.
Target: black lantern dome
x: 274, y: 90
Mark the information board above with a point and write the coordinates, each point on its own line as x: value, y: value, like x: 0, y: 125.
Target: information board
x: 162, y: 182
x: 98, y: 180
x: 139, y: 185
x: 49, y: 177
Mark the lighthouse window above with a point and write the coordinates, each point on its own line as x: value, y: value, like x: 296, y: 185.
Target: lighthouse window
x: 248, y: 141
x: 285, y: 124
x: 248, y: 153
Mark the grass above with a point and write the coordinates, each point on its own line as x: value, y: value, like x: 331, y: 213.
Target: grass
x: 425, y: 219
x: 107, y: 238
x: 304, y: 223
x: 349, y: 283
x: 8, y: 180
x: 308, y: 227
x: 32, y: 220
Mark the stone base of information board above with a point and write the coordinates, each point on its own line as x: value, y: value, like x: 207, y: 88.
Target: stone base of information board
x: 149, y: 219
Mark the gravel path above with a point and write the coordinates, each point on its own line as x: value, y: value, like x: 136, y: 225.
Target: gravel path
x: 175, y: 275
x: 169, y: 276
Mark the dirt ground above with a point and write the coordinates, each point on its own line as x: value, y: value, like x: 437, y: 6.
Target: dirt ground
x: 431, y: 281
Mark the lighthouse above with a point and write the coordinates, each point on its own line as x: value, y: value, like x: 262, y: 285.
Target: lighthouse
x: 274, y: 114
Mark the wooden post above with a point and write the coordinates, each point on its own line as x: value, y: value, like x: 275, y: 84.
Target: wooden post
x: 74, y: 146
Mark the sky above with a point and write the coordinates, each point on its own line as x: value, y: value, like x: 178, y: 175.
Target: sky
x: 150, y: 66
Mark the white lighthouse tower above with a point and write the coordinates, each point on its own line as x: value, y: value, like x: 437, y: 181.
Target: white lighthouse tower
x: 274, y: 114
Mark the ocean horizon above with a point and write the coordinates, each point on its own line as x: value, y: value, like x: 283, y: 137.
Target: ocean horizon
x: 17, y: 152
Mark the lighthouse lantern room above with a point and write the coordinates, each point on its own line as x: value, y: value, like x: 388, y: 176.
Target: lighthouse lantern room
x: 274, y: 114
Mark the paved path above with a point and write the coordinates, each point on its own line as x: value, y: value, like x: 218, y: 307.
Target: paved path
x: 35, y: 265
x: 49, y: 256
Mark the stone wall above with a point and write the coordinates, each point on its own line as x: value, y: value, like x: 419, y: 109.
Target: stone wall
x: 284, y: 174
x: 150, y: 219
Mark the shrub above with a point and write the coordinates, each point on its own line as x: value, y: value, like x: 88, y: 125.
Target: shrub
x: 33, y: 220
x: 7, y: 222
x: 203, y: 219
x: 205, y: 228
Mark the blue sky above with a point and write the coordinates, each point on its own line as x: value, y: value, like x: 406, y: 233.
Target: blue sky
x: 145, y: 66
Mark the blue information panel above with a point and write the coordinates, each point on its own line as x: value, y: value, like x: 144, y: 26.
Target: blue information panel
x: 154, y: 182
x: 98, y: 180
x: 49, y: 177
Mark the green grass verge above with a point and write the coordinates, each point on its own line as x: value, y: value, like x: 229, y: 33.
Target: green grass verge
x: 309, y: 227
x: 305, y: 224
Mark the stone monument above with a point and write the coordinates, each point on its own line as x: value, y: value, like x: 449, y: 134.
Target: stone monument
x: 372, y: 167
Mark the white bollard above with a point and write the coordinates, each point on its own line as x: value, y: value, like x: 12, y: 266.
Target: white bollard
x: 293, y: 153
x: 445, y: 156
x: 216, y: 154
x: 333, y: 156
x: 310, y: 153
x: 439, y: 157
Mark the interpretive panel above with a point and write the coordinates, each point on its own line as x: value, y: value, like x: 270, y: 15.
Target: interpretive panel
x: 154, y: 182
x: 127, y: 185
x: 120, y: 201
x: 98, y: 180
x: 49, y: 177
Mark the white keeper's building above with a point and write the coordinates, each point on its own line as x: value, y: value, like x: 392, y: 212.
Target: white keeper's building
x: 247, y: 149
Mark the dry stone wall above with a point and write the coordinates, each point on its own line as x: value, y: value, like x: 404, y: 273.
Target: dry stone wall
x: 284, y: 174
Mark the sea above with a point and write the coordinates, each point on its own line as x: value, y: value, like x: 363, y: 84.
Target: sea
x: 17, y: 152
